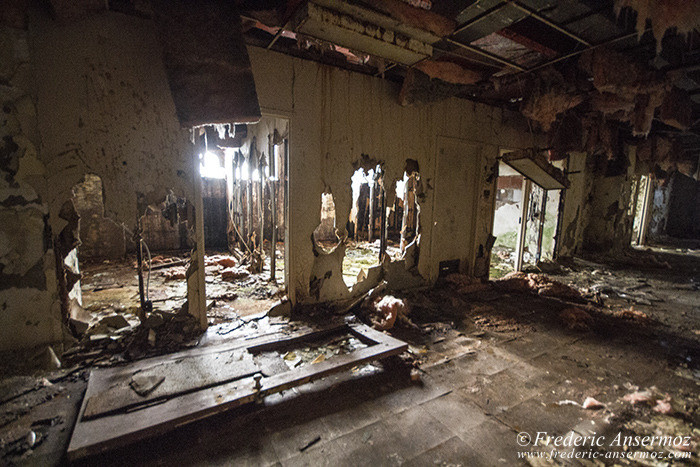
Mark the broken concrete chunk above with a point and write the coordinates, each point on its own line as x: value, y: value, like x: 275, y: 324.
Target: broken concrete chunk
x: 143, y: 385
x: 114, y: 321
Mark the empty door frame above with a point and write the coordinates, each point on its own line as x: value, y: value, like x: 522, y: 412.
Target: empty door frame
x: 646, y: 210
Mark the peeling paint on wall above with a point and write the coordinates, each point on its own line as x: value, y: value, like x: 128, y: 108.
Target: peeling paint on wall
x: 336, y: 116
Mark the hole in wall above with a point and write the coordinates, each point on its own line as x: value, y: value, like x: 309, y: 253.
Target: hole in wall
x: 109, y: 292
x: 325, y: 236
x: 383, y: 221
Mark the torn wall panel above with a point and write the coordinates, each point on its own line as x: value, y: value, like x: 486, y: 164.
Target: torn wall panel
x: 336, y: 116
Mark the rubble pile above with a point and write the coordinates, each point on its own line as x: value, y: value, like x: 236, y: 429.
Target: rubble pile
x: 540, y: 284
x: 464, y: 284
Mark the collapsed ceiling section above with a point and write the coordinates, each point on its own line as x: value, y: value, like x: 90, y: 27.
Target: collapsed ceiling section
x: 588, y: 73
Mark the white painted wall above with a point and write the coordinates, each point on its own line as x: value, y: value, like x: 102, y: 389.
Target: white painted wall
x: 337, y: 115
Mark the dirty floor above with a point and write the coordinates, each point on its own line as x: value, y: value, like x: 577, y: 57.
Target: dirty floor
x: 485, y: 373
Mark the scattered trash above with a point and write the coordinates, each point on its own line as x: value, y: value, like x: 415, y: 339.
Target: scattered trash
x: 538, y: 283
x: 640, y: 397
x: 114, y: 321
x: 31, y: 438
x: 318, y: 359
x: 568, y: 402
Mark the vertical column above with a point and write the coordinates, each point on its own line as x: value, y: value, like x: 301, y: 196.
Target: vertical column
x: 520, y: 245
x: 196, y: 293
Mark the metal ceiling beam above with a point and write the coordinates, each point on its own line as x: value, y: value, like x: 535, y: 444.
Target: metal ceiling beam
x: 286, y: 24
x: 549, y: 23
x: 579, y: 52
x: 479, y: 18
x: 486, y: 54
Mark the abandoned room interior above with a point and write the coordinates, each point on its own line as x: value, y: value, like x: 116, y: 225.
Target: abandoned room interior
x: 350, y: 232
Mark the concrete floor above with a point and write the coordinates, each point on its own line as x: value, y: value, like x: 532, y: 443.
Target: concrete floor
x: 492, y: 366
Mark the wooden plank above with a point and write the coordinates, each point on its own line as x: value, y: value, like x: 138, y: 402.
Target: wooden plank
x: 102, y: 434
x: 181, y: 376
x: 102, y: 379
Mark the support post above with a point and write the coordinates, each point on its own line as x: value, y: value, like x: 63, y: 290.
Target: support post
x: 404, y: 217
x: 249, y: 195
x: 382, y: 220
x: 261, y: 202
x: 527, y: 186
x: 648, y: 199
x: 370, y: 224
x: 543, y: 216
x: 196, y: 292
x: 273, y: 210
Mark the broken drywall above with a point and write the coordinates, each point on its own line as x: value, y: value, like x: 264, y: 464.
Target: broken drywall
x: 104, y: 107
x: 576, y: 208
x: 81, y: 97
x: 610, y: 221
x: 659, y: 210
x: 336, y: 117
x: 29, y: 305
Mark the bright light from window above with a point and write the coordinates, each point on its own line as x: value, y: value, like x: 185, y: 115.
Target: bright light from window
x: 210, y: 166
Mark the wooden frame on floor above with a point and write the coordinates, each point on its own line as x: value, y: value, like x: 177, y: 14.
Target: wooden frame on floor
x: 155, y: 417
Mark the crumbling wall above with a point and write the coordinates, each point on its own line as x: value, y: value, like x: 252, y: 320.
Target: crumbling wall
x: 577, y: 206
x: 81, y: 97
x: 30, y: 311
x: 659, y: 210
x: 99, y: 236
x: 104, y: 107
x: 610, y: 222
x: 339, y: 118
